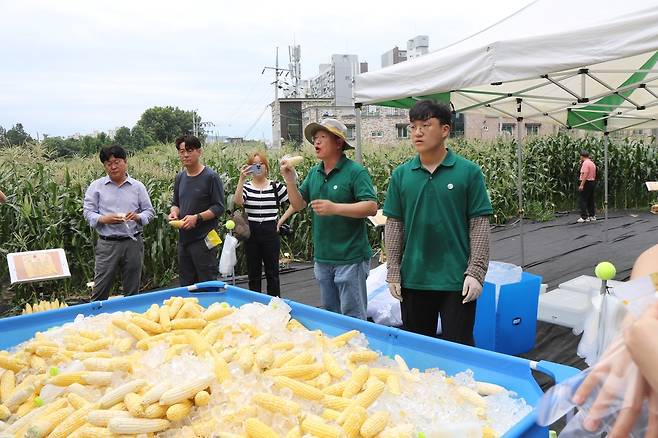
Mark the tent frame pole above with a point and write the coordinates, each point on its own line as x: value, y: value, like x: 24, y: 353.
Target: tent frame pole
x: 606, y: 143
x: 358, y: 154
x: 519, y: 177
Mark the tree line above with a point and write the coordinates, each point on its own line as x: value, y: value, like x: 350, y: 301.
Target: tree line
x: 156, y: 125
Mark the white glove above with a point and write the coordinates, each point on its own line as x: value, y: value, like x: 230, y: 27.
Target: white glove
x: 396, y: 290
x: 471, y: 290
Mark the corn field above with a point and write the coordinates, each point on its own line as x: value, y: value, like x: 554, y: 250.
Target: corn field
x: 45, y: 196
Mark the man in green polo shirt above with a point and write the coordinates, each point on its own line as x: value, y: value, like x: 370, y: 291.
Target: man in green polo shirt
x: 437, y: 231
x: 341, y: 195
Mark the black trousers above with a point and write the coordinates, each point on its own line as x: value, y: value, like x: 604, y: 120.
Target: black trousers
x: 421, y: 309
x: 587, y: 208
x: 197, y: 263
x: 262, y: 249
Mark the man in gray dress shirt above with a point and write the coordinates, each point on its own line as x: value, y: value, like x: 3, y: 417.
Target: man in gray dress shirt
x: 117, y: 207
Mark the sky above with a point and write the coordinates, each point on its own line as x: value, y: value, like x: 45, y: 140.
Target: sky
x: 79, y: 66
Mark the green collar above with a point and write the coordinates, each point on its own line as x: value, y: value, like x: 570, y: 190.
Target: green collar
x: 341, y: 162
x: 448, y: 161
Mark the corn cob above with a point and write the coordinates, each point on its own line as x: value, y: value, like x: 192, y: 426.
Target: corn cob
x: 174, y: 307
x: 356, y: 381
x: 38, y: 363
x: 316, y: 426
x: 264, y: 357
x: 336, y: 388
x: 98, y: 354
x: 363, y: 356
x: 308, y: 371
x: 76, y: 400
x: 274, y: 403
x: 298, y: 388
x: 4, y: 412
x: 282, y: 346
x: 155, y: 392
x: 374, y: 424
x: 257, y: 429
x: 7, y: 385
x: 215, y: 312
x: 246, y: 358
x: 336, y: 402
x: 329, y: 414
x: 303, y: 358
x: 99, y: 344
x: 146, y: 324
x: 90, y: 334
x: 484, y: 388
x: 11, y: 363
x: 178, y: 411
x: 185, y: 391
x: 222, y: 372
x: 44, y: 425
x: 137, y: 425
x: 189, y: 310
x: 19, y: 396
x: 374, y: 388
x: 153, y: 313
x: 282, y: 358
x: 393, y: 383
x: 101, y: 417
x: 354, y: 418
x: 202, y: 398
x: 295, y: 432
x: 134, y: 405
x: 332, y: 366
x: 93, y: 432
x: 114, y: 396
x: 344, y: 338
x: 467, y: 394
x: 155, y: 410
x: 76, y: 420
x: 164, y: 319
x: 188, y: 323
x: 199, y: 344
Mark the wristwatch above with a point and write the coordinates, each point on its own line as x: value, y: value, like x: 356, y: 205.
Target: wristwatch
x: 199, y: 218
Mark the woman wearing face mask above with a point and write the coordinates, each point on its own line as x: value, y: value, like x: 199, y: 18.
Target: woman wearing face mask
x: 261, y: 198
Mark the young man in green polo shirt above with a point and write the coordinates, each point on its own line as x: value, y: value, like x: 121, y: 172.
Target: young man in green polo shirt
x: 341, y: 195
x: 437, y: 231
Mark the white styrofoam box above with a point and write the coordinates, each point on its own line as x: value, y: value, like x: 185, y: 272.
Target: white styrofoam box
x: 586, y: 284
x: 563, y: 307
x: 543, y: 288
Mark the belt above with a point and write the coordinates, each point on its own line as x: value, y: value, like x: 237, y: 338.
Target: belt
x: 118, y: 238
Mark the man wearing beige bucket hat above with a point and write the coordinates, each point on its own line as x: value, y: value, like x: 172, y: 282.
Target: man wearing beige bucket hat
x: 341, y: 195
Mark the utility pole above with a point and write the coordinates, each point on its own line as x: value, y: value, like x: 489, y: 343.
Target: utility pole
x: 276, y: 131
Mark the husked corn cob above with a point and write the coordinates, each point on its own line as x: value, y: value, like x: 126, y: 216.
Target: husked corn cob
x: 308, y: 371
x: 7, y: 385
x: 222, y: 372
x: 295, y: 432
x: 264, y: 357
x: 336, y: 402
x: 329, y: 414
x: 355, y: 416
x: 134, y: 405
x: 155, y: 410
x: 275, y: 403
x: 99, y: 344
x: 185, y: 391
x: 19, y: 396
x: 295, y: 325
x: 178, y: 411
x: 332, y: 366
x: 27, y: 406
x: 174, y: 307
x: 4, y: 412
x: 467, y: 394
x: 188, y: 323
x: 153, y: 313
x: 302, y: 358
x: 374, y: 424
x: 363, y: 356
x: 374, y: 388
x: 90, y: 334
x: 202, y: 398
x: 356, y: 381
x: 484, y: 388
x: 282, y: 359
x: 155, y: 392
x: 146, y: 324
x: 114, y: 396
x: 38, y: 363
x: 137, y: 425
x: 257, y: 429
x: 316, y: 426
x: 76, y: 400
x: 73, y: 422
x: 300, y: 389
x: 393, y: 383
x: 101, y: 417
x: 44, y: 425
x: 189, y: 310
x: 93, y: 432
x: 344, y: 338
x: 246, y: 358
x: 164, y: 318
x: 336, y: 388
x: 282, y: 346
x: 199, y: 344
x: 10, y: 363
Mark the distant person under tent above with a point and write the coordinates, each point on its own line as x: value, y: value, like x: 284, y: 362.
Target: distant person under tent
x: 586, y: 188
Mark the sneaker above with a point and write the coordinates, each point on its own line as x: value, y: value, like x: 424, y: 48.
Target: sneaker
x: 581, y: 220
x: 593, y: 218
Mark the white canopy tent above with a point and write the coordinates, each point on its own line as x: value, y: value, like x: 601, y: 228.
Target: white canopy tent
x: 581, y: 64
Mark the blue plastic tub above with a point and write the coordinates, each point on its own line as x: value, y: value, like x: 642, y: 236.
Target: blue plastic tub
x: 419, y: 351
x: 511, y: 327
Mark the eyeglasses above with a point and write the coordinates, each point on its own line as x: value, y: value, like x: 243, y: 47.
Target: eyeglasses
x: 421, y: 128
x: 114, y: 163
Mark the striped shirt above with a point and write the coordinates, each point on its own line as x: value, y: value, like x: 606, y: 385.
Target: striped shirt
x: 260, y: 204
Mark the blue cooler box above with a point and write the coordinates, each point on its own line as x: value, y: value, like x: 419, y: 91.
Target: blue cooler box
x: 510, y: 329
x: 419, y: 351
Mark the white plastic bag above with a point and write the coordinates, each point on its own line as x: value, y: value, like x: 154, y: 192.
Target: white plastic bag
x: 228, y: 258
x: 382, y: 307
